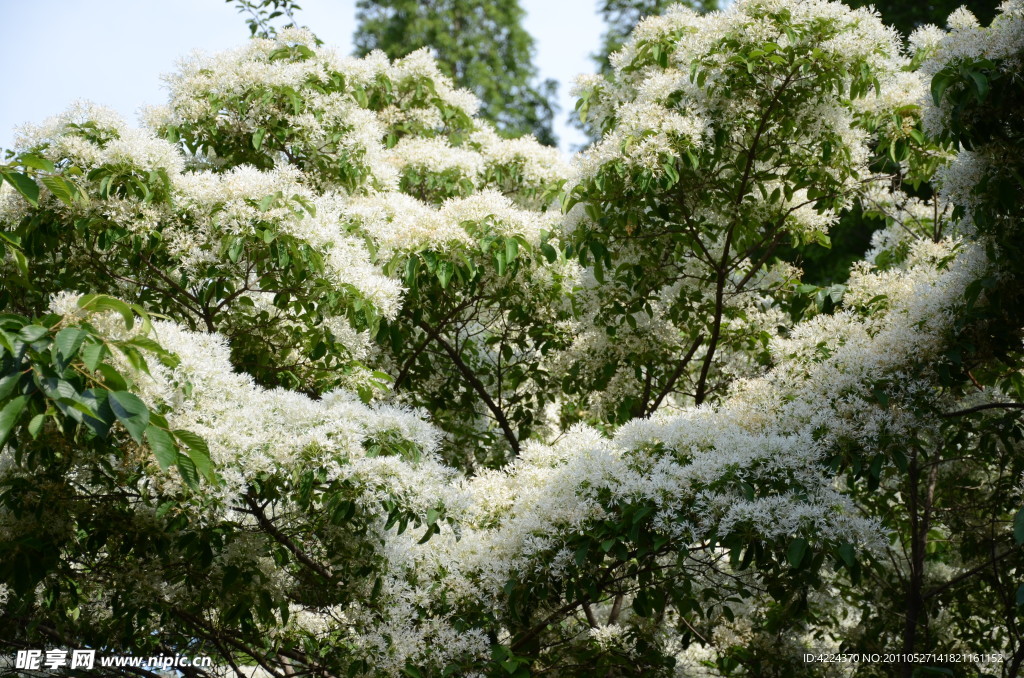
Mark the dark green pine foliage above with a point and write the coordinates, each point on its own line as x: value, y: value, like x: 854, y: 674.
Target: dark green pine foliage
x: 480, y: 44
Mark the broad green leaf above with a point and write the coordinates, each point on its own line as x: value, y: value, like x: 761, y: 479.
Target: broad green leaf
x: 69, y: 340
x: 187, y: 469
x: 100, y: 417
x: 93, y: 355
x: 511, y: 249
x: 192, y: 441
x: 980, y: 83
x: 131, y: 412
x: 445, y: 269
x: 24, y: 185
x: 198, y: 452
x: 32, y: 333
x: 797, y: 551
x: 35, y: 425
x: 549, y: 253
x: 202, y: 463
x: 848, y: 555
x: 36, y: 162
x: 19, y: 260
x: 64, y: 191
x: 102, y: 302
x: 1018, y: 527
x: 9, y: 417
x: 7, y: 384
x: 162, y: 444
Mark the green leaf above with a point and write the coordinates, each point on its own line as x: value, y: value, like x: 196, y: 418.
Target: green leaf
x: 62, y: 189
x: 32, y: 333
x: 1018, y: 527
x: 24, y: 185
x: 35, y: 162
x: 162, y: 444
x: 93, y: 355
x: 187, y: 469
x: 511, y: 249
x: 7, y: 384
x: 267, y: 202
x: 980, y: 83
x: 257, y: 138
x: 131, y: 412
x: 431, y: 531
x: 19, y: 260
x: 549, y: 252
x: 35, y: 425
x: 100, y: 417
x: 940, y: 83
x: 192, y: 441
x: 445, y: 269
x: 203, y: 464
x: 9, y: 417
x: 102, y: 302
x: 198, y: 452
x: 69, y: 340
x: 797, y: 551
x: 848, y: 555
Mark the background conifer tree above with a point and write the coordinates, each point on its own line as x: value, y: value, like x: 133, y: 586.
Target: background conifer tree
x: 482, y: 46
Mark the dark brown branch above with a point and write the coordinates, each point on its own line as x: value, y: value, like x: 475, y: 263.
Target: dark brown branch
x: 979, y: 408
x: 476, y: 384
x: 675, y: 375
x: 281, y: 538
x: 213, y: 634
x: 591, y: 619
x: 613, y: 616
x: 723, y: 266
x: 969, y: 573
x: 411, y: 360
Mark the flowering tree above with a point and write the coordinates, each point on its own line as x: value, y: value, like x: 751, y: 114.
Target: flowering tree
x: 315, y: 373
x: 483, y: 46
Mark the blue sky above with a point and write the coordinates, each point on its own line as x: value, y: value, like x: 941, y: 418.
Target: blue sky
x: 112, y: 52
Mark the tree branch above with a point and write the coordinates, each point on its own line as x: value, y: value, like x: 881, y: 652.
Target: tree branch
x: 675, y: 375
x: 281, y: 538
x: 476, y: 384
x: 979, y: 408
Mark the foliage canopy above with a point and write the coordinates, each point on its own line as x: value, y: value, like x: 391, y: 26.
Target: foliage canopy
x: 319, y: 373
x: 481, y: 46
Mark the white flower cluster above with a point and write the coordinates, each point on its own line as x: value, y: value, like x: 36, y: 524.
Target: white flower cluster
x: 967, y: 41
x: 658, y: 113
x: 773, y: 432
x: 397, y: 222
x: 521, y: 167
x: 89, y: 136
x: 753, y: 464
